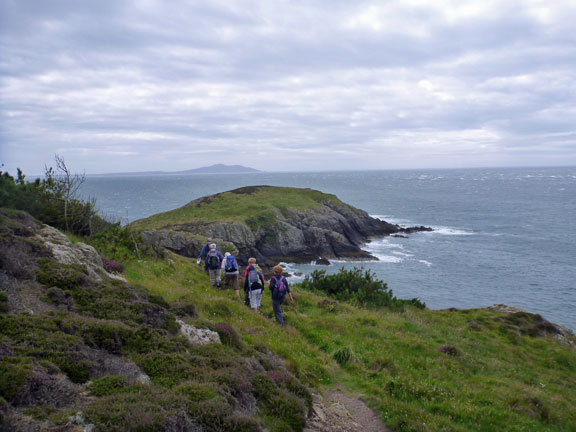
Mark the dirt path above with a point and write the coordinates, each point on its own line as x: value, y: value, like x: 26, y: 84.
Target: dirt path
x: 336, y: 411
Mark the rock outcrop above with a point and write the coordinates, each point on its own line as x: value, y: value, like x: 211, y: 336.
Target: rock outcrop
x: 533, y: 324
x: 294, y: 225
x: 198, y: 336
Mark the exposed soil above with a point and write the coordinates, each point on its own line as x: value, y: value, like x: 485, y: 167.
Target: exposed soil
x: 336, y: 411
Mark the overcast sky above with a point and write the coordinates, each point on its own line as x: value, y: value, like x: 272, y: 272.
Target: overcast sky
x: 118, y: 85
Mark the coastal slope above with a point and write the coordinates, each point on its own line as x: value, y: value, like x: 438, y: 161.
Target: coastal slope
x: 84, y: 349
x: 270, y: 223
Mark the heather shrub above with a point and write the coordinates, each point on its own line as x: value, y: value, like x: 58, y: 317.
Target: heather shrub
x: 197, y: 392
x: 234, y: 379
x: 242, y: 423
x: 278, y: 403
x: 13, y: 374
x: 113, y: 266
x: 55, y: 274
x: 146, y: 410
x: 228, y: 335
x: 169, y: 369
x: 107, y: 385
x: 292, y: 385
x: 57, y: 297
x: 157, y: 300
x: 77, y: 370
x: 212, y: 414
x: 3, y: 302
x: 184, y: 309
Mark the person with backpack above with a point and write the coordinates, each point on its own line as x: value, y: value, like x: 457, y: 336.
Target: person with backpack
x: 212, y: 265
x: 204, y: 251
x: 279, y: 288
x: 230, y: 268
x: 254, y: 284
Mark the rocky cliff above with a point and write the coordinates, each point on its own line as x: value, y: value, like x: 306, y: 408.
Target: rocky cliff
x: 270, y: 223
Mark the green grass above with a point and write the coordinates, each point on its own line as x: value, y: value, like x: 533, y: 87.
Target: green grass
x: 180, y: 278
x: 253, y: 206
x: 470, y: 370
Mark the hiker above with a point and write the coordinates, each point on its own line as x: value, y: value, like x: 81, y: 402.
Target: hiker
x: 204, y: 251
x: 279, y: 288
x: 254, y: 283
x: 230, y: 269
x: 212, y: 265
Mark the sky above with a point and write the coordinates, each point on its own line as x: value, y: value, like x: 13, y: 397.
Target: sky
x: 279, y: 85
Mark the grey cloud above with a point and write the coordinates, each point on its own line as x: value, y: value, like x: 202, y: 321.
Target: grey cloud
x: 311, y: 77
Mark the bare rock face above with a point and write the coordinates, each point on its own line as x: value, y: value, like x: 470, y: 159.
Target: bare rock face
x: 198, y: 336
x: 182, y: 242
x: 66, y: 252
x: 534, y: 325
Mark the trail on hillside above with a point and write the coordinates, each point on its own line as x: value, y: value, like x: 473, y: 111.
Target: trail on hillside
x: 335, y: 411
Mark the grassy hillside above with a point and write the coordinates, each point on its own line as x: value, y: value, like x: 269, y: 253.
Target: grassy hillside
x: 252, y: 205
x: 469, y: 370
x: 75, y: 340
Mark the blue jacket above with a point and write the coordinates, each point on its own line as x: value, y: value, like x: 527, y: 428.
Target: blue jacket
x: 204, y: 250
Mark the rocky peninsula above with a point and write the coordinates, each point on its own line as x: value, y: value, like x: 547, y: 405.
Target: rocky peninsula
x: 270, y: 223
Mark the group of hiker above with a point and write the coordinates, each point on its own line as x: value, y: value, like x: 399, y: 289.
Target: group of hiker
x: 217, y: 265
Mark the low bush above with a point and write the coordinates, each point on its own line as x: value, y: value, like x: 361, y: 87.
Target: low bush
x: 357, y: 286
x: 168, y: 369
x: 13, y: 374
x: 146, y: 410
x: 54, y: 274
x: 117, y: 243
x: 242, y: 423
x: 228, y: 335
x: 197, y: 392
x: 3, y: 302
x: 112, y: 266
x: 184, y: 309
x: 343, y: 356
x: 278, y: 403
x: 107, y: 385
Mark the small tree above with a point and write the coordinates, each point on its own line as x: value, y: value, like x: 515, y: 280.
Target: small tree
x: 63, y: 184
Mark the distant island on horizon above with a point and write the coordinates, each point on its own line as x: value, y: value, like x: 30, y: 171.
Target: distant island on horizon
x: 212, y: 169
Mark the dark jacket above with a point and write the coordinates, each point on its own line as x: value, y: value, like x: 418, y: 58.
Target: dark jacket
x: 272, y: 285
x: 247, y: 278
x: 220, y: 258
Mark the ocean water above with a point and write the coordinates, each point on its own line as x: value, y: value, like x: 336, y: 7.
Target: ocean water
x: 501, y: 235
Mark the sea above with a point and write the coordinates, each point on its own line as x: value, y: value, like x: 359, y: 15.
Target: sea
x: 501, y: 235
